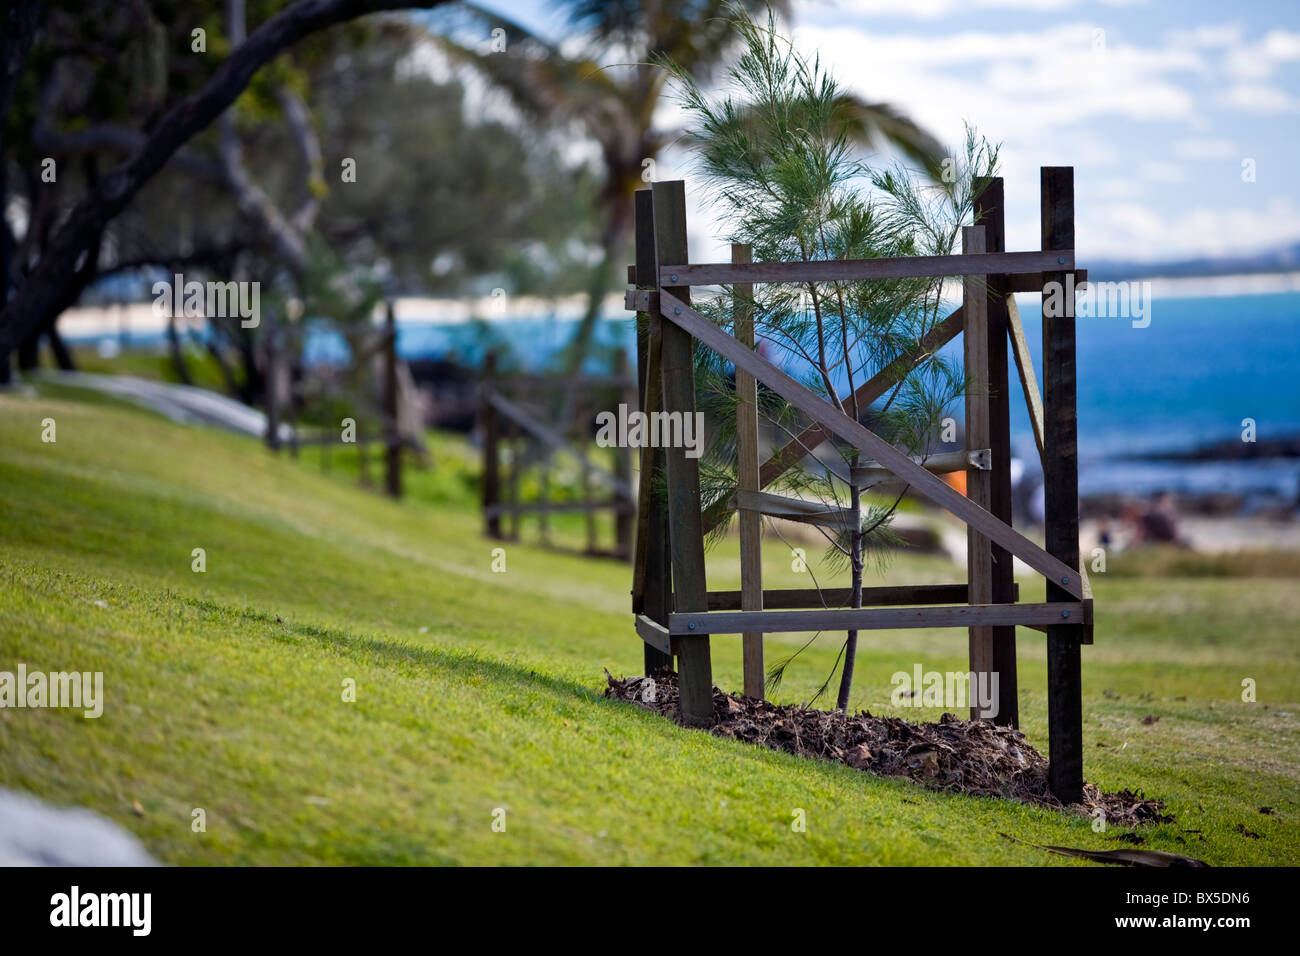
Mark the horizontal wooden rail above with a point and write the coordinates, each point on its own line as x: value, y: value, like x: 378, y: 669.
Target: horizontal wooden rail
x: 1028, y: 282
x: 900, y: 267
x: 818, y: 409
x: 556, y: 441
x: 878, y: 618
x: 640, y: 300
x: 654, y: 634
x: 794, y: 509
x: 980, y: 459
x: 784, y: 599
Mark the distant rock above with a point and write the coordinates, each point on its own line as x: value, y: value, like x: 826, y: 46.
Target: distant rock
x: 33, y: 833
x: 1233, y: 449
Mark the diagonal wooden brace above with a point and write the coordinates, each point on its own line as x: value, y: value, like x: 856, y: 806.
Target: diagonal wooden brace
x: 901, y: 464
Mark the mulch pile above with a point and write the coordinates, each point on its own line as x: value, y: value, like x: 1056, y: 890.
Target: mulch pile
x: 964, y: 756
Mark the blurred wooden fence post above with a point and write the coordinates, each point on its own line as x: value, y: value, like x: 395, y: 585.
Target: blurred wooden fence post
x: 392, y: 429
x: 271, y: 383
x: 1061, y: 489
x: 491, y: 450
x: 685, y: 524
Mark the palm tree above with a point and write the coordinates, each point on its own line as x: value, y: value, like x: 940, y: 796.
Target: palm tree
x: 610, y: 86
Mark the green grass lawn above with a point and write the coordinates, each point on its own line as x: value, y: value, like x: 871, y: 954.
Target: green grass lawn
x: 477, y: 690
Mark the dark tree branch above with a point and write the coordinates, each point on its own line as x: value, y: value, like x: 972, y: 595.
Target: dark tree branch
x: 38, y: 294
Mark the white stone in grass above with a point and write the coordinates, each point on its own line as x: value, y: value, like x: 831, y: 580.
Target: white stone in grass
x: 33, y: 833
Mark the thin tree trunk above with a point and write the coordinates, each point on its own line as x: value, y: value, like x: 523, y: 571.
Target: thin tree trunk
x: 178, y: 356
x: 17, y: 31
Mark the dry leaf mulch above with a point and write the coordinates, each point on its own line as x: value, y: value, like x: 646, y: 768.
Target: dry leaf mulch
x: 962, y: 756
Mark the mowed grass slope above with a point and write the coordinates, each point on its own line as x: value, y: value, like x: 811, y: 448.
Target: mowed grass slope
x: 477, y: 691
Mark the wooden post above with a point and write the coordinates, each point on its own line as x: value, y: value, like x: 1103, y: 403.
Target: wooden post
x: 589, y: 509
x: 979, y: 558
x: 654, y: 563
x: 544, y: 496
x: 685, y: 526
x: 271, y: 385
x: 513, y: 443
x: 491, y: 449
x: 363, y: 456
x: 751, y: 522
x: 392, y: 431
x: 1061, y: 489
x: 989, y: 206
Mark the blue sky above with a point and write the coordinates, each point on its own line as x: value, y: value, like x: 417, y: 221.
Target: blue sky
x: 1156, y: 104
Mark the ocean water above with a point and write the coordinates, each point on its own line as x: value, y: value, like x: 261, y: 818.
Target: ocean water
x: 1186, y: 380
x: 1189, y: 379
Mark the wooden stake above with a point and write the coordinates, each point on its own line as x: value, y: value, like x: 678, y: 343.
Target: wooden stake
x: 989, y: 213
x: 979, y: 558
x: 623, y: 520
x: 1061, y: 505
x: 685, y: 530
x: 652, y: 592
x: 751, y: 522
x: 491, y: 450
x: 392, y: 433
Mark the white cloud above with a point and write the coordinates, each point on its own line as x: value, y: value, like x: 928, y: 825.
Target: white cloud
x: 1257, y: 98
x: 1136, y: 229
x: 1258, y: 61
x: 1162, y: 172
x: 1141, y: 119
x: 1031, y: 82
x: 1205, y: 149
x: 1207, y: 37
x: 935, y: 9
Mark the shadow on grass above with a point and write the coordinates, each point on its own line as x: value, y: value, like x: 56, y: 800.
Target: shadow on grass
x: 463, y: 662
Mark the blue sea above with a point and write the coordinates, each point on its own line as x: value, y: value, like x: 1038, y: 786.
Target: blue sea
x: 1188, y: 379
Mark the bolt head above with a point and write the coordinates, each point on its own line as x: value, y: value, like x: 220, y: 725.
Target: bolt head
x: 1065, y: 580
x: 1065, y: 614
x: 691, y: 625
x: 1060, y: 261
x: 674, y: 276
x: 677, y: 311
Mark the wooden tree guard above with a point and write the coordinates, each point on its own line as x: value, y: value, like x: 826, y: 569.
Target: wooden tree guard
x: 676, y: 614
x: 506, y: 423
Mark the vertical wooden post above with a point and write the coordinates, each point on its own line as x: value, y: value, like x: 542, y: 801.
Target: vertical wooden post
x: 685, y: 526
x: 589, y: 510
x: 271, y: 386
x: 363, y: 456
x: 392, y: 430
x: 623, y: 518
x: 1061, y: 489
x: 652, y: 592
x: 515, y: 446
x: 979, y: 559
x: 751, y: 522
x: 989, y: 206
x: 544, y: 496
x: 491, y: 448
